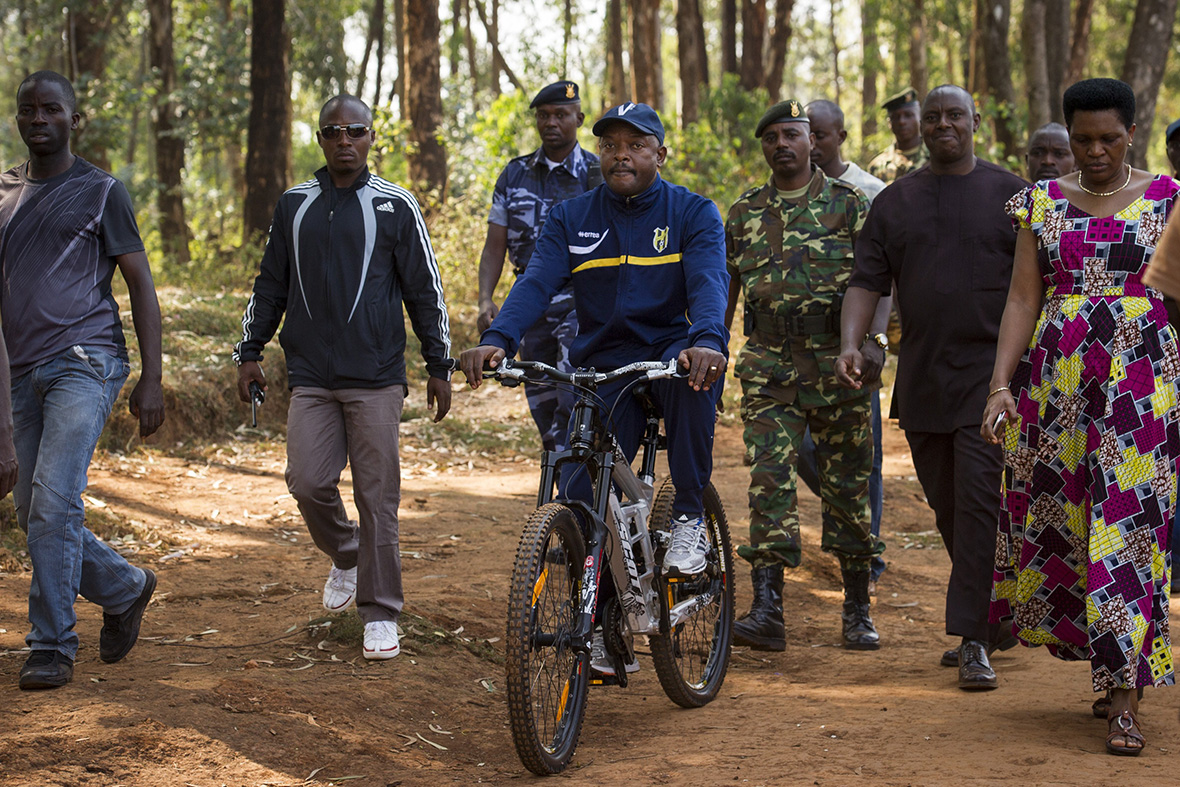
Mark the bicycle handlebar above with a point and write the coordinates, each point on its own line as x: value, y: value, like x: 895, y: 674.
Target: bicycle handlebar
x: 520, y: 371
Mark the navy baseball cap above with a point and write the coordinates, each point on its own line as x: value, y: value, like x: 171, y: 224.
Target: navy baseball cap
x: 1173, y: 127
x: 563, y: 92
x: 638, y: 116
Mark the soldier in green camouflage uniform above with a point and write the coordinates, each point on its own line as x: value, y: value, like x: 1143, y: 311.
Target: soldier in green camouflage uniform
x: 907, y: 152
x: 790, y: 251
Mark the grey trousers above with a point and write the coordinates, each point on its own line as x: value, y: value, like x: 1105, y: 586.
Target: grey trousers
x: 325, y: 429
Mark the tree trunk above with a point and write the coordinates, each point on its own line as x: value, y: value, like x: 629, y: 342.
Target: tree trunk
x: 646, y: 69
x: 780, y: 36
x: 1056, y: 54
x: 497, y: 58
x: 494, y: 38
x: 88, y: 25
x: 616, y: 79
x: 567, y: 29
x: 428, y: 159
x: 456, y: 38
x: 870, y: 16
x: 834, y: 39
x: 469, y: 42
x: 753, y: 73
x: 376, y: 18
x: 1033, y: 47
x: 977, y: 70
x: 1143, y: 69
x: 694, y: 69
x: 169, y: 138
x: 399, y: 37
x: 380, y: 43
x: 268, y: 140
x: 919, y: 71
x: 729, y: 23
x: 999, y: 73
x: 1079, y: 49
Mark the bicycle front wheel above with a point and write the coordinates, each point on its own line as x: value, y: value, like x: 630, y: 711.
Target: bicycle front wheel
x: 692, y: 656
x: 547, y: 679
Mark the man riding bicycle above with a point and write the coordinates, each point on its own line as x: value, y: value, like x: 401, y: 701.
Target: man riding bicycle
x: 646, y: 260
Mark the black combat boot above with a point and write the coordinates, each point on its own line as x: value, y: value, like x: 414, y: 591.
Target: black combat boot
x: 858, y: 630
x: 762, y: 627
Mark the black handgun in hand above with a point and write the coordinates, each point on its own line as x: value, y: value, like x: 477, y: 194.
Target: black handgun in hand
x: 257, y: 397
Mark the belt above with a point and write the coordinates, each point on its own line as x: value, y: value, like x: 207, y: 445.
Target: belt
x: 793, y: 325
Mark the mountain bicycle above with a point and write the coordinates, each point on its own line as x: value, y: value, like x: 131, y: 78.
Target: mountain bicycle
x: 559, y: 600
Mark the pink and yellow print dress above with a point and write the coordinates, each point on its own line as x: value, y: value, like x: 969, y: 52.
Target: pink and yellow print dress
x: 1090, y: 464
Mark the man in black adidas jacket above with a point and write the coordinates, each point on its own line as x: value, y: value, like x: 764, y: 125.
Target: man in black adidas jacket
x: 346, y: 250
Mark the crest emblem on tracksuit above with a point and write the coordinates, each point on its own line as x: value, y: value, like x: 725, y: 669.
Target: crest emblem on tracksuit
x: 660, y: 240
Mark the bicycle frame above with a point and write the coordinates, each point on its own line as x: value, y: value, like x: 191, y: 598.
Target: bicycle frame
x: 615, y: 528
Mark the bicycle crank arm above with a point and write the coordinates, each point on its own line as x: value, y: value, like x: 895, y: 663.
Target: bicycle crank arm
x: 690, y: 607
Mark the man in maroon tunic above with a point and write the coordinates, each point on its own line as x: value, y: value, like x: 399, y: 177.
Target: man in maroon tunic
x: 941, y: 235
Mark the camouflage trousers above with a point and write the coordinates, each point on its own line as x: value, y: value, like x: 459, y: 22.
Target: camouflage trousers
x: 548, y: 341
x: 844, y: 456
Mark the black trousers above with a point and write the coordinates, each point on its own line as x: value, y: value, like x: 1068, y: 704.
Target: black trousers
x: 962, y: 477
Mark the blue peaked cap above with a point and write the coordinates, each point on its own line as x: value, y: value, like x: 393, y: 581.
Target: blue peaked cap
x: 639, y: 116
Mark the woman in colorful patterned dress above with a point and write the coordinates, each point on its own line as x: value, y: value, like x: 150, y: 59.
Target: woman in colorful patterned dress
x: 1084, y: 397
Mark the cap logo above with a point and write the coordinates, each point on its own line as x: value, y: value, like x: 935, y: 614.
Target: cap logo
x: 625, y: 108
x: 794, y: 110
x: 569, y: 90
x: 660, y: 241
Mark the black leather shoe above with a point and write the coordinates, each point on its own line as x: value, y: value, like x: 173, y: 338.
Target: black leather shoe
x: 119, y: 632
x: 950, y: 658
x: 46, y: 669
x: 858, y: 631
x: 975, y: 673
x: 762, y: 627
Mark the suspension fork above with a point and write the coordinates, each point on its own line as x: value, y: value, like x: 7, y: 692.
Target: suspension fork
x: 597, y: 536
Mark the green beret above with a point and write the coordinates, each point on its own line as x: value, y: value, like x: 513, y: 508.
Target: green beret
x: 899, y: 100
x: 789, y: 111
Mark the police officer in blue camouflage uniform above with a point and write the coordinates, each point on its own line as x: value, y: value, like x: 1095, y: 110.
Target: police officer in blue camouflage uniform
x: 525, y: 192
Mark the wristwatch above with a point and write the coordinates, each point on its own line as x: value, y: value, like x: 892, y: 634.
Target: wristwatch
x: 880, y: 339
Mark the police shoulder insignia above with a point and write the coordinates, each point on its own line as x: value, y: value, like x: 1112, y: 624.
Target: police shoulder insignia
x: 660, y: 240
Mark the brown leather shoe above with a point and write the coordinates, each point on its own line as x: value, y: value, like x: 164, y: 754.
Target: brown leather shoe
x: 975, y: 673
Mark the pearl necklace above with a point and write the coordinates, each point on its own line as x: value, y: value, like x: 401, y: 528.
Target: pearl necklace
x: 1105, y: 193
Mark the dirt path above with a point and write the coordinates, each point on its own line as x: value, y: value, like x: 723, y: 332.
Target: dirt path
x: 227, y: 685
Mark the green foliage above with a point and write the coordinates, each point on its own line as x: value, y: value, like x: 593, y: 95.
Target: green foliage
x: 718, y: 156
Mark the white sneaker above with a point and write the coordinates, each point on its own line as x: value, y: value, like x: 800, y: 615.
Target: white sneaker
x: 340, y: 589
x: 381, y: 640
x: 600, y: 660
x: 686, y: 555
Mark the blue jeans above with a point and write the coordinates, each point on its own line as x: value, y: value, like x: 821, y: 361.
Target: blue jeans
x: 810, y: 475
x: 59, y: 409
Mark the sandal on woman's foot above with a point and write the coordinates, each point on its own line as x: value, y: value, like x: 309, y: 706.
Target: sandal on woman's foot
x: 1101, y: 706
x: 1125, y: 727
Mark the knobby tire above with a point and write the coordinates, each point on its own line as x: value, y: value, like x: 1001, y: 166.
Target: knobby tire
x: 691, y: 659
x: 547, y: 680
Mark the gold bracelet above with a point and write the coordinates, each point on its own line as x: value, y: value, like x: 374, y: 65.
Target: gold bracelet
x: 1001, y: 388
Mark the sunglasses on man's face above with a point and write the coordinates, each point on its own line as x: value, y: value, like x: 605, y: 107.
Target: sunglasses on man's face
x: 353, y: 130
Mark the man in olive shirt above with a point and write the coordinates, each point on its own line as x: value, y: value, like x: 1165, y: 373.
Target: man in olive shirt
x: 789, y: 248
x: 941, y: 235
x: 907, y: 153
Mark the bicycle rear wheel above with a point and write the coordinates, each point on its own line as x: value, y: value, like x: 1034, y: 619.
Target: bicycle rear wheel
x: 692, y: 656
x: 547, y: 680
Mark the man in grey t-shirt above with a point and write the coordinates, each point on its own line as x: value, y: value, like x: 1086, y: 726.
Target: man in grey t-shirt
x: 65, y: 226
